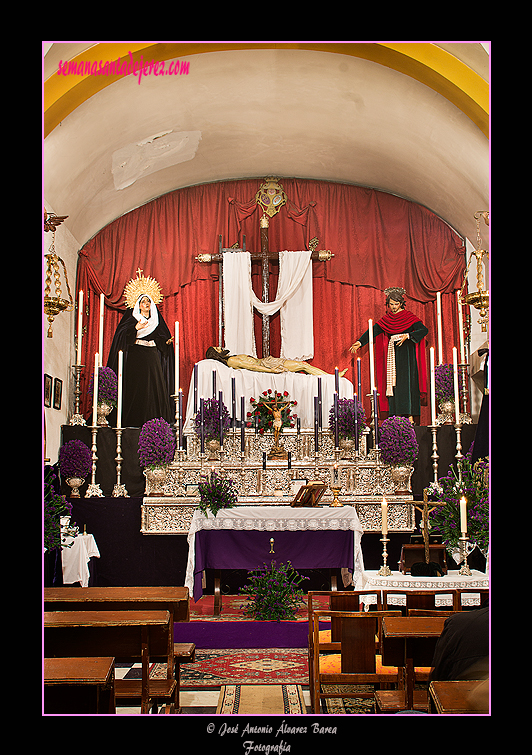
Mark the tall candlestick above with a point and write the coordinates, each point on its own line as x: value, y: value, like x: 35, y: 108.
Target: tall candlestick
x: 316, y: 409
x: 233, y: 400
x: 202, y: 427
x: 356, y: 423
x: 337, y: 381
x: 432, y: 387
x: 460, y: 327
x: 95, y: 391
x: 221, y: 418
x: 100, y: 336
x: 195, y: 388
x: 456, y: 394
x: 176, y: 352
x: 80, y: 326
x: 384, y: 515
x: 336, y: 419
x: 120, y: 389
x: 371, y: 357
x: 376, y: 417
x: 319, y: 403
x: 242, y: 426
x: 180, y: 404
x: 463, y: 516
x: 359, y: 376
x: 214, y: 383
x: 438, y: 315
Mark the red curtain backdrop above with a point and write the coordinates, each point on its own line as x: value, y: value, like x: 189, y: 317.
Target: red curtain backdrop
x: 378, y: 240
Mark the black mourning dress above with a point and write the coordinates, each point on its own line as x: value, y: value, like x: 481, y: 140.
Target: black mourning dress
x: 148, y: 373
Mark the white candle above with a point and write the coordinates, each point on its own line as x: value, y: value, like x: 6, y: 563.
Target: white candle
x: 384, y: 512
x: 432, y: 387
x: 100, y: 337
x: 119, y: 401
x: 463, y: 516
x: 80, y: 326
x: 95, y: 391
x: 455, y: 377
x: 460, y: 327
x: 438, y: 315
x: 176, y: 347
x: 371, y: 357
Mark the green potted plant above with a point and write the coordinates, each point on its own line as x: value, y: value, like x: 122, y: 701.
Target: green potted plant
x: 75, y: 463
x: 107, y: 393
x: 273, y: 592
x: 156, y: 451
x: 399, y: 448
x: 216, y: 493
x: 56, y: 507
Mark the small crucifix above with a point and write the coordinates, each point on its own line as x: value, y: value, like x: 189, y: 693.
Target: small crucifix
x: 271, y: 198
x: 425, y: 511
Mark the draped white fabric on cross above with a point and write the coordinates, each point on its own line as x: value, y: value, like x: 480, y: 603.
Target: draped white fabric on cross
x: 294, y: 299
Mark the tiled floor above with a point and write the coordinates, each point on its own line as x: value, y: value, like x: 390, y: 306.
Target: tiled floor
x: 193, y: 701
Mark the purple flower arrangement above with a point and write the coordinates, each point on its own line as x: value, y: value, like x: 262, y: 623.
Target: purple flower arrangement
x: 471, y: 482
x: 156, y: 444
x: 273, y: 592
x: 215, y: 418
x: 55, y: 507
x: 444, y: 382
x: 216, y: 493
x: 75, y: 459
x: 262, y: 419
x: 397, y: 441
x: 347, y: 407
x: 107, y: 386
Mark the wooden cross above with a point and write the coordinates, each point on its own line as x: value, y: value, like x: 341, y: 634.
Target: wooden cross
x: 425, y: 511
x: 270, y: 189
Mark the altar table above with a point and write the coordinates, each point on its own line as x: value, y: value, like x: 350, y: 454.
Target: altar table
x: 239, y: 538
x: 453, y: 580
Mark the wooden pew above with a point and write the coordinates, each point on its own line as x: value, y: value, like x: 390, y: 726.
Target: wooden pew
x: 137, y: 635
x: 465, y: 696
x: 175, y: 600
x: 79, y: 686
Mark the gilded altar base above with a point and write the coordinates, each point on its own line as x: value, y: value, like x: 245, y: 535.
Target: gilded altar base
x: 360, y: 479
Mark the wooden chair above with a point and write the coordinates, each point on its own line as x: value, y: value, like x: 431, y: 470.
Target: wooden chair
x: 411, y: 645
x: 425, y: 599
x: 357, y: 663
x: 350, y: 600
x: 135, y: 635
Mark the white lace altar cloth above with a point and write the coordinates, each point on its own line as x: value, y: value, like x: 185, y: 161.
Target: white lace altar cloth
x: 453, y: 580
x: 277, y: 518
x: 300, y: 387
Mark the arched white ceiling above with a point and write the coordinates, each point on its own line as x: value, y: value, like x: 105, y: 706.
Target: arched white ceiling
x: 259, y: 110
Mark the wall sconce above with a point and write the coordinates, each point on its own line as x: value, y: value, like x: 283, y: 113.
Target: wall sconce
x: 53, y: 305
x: 479, y: 298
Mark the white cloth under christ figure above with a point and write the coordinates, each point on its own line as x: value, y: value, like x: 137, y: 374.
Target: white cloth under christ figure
x: 294, y: 300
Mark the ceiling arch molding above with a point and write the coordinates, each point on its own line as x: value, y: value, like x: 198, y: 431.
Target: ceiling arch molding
x: 425, y: 62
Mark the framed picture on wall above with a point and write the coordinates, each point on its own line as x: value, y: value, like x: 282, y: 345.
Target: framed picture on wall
x: 47, y: 390
x: 58, y: 392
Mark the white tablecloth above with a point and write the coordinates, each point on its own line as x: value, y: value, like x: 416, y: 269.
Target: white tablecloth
x: 300, y: 387
x: 277, y: 518
x: 76, y: 559
x: 453, y: 580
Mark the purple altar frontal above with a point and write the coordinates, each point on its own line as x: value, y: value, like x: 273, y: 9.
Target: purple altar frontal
x: 241, y: 538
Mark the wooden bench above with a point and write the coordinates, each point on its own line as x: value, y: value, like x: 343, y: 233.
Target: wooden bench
x: 79, y: 686
x: 175, y: 600
x: 135, y: 635
x: 465, y: 696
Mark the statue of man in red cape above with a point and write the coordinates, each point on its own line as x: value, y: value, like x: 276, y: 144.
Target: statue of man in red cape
x: 400, y: 363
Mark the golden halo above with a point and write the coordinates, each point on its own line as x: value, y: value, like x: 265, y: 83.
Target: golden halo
x: 142, y: 286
